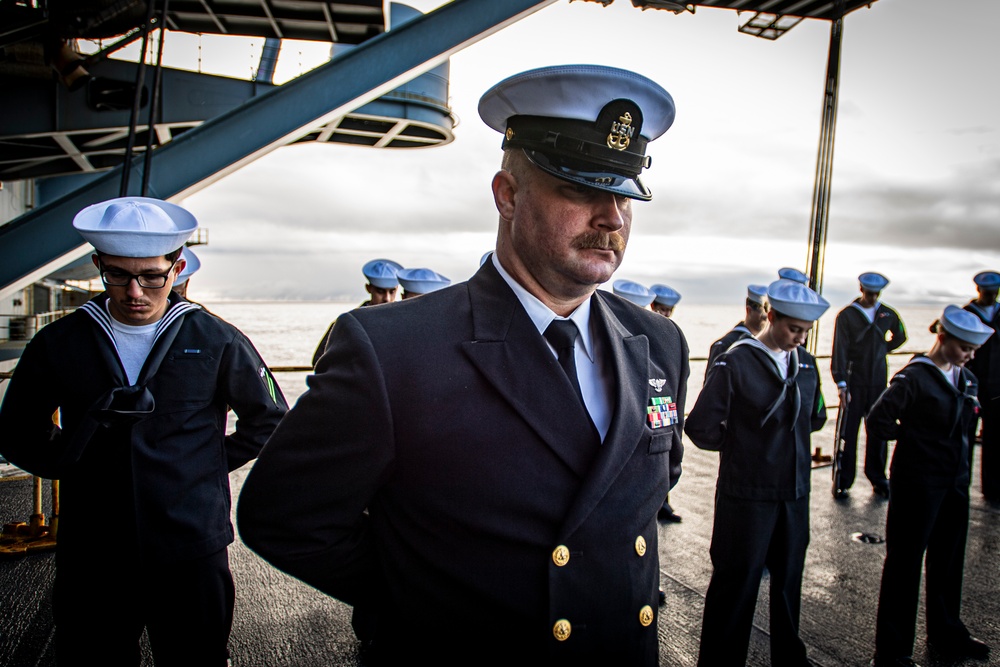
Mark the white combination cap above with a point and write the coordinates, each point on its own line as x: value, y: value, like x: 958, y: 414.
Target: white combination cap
x: 634, y: 292
x: 587, y: 124
x: 135, y: 226
x: 964, y: 325
x: 789, y: 273
x: 191, y: 266
x: 757, y: 294
x: 794, y: 299
x: 382, y: 273
x: 987, y: 279
x: 666, y: 296
x: 873, y: 282
x: 421, y: 281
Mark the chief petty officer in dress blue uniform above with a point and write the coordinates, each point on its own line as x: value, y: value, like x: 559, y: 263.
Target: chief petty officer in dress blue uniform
x: 143, y: 380
x: 757, y: 409
x: 865, y: 332
x: 986, y: 367
x: 930, y: 411
x: 756, y: 317
x: 478, y: 470
x: 382, y: 287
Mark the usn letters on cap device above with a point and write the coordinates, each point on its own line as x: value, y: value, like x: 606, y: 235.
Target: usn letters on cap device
x: 964, y: 325
x: 381, y: 273
x: 135, y: 226
x: 586, y: 124
x: 795, y: 300
x: 634, y: 292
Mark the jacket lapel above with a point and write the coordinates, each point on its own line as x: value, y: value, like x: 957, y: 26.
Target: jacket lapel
x: 630, y: 358
x: 505, y: 342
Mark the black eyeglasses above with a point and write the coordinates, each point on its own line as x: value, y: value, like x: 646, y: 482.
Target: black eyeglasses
x: 118, y: 278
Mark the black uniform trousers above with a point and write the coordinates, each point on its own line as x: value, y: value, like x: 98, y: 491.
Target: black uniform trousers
x: 921, y: 518
x: 186, y: 608
x: 748, y: 536
x: 876, y: 451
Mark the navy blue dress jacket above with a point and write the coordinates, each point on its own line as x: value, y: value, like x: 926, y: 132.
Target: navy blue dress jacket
x: 441, y: 475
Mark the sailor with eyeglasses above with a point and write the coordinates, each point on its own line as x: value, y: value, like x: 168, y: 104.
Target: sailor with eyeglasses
x: 125, y: 401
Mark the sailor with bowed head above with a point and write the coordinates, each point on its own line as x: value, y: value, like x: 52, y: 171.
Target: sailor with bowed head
x: 478, y: 471
x: 382, y: 287
x: 141, y: 380
x: 382, y: 281
x: 930, y: 410
x: 420, y: 281
x: 760, y: 403
x: 986, y: 367
x: 191, y: 266
x: 756, y: 317
x: 665, y: 300
x: 788, y: 273
x: 865, y: 332
x: 638, y: 294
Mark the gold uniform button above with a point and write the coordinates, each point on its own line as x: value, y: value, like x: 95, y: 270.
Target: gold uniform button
x: 562, y: 629
x: 646, y: 615
x: 640, y: 546
x: 560, y: 556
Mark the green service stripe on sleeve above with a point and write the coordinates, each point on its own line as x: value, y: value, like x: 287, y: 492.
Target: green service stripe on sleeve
x: 265, y: 376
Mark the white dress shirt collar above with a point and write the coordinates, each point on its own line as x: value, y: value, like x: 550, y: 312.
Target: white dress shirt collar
x: 541, y: 315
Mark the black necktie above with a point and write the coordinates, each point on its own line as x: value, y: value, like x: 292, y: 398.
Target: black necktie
x: 562, y: 335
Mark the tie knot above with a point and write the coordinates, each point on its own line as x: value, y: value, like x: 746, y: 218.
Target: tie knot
x: 561, y: 333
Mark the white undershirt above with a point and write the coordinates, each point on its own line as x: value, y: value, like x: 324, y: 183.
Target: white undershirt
x: 134, y: 344
x: 951, y: 375
x: 780, y: 359
x: 869, y: 312
x: 596, y: 377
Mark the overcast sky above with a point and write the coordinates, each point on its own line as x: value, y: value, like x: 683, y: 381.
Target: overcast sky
x: 916, y: 184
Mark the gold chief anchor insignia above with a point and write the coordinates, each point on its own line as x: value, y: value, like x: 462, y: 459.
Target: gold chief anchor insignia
x: 621, y: 132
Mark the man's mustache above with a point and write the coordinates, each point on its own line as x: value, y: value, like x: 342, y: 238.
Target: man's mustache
x: 600, y: 241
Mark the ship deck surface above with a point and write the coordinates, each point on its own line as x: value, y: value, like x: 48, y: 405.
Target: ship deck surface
x: 282, y: 622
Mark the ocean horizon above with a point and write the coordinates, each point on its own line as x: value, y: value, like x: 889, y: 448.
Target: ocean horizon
x: 286, y: 333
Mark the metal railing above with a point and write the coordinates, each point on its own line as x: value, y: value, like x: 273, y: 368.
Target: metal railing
x: 23, y: 327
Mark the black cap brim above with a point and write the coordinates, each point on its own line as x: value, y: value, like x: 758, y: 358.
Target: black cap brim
x: 605, y: 181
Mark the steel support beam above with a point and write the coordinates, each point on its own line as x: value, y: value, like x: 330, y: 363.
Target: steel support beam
x: 822, y: 186
x: 43, y: 240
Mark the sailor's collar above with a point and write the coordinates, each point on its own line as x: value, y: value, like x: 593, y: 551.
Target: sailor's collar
x: 793, y: 355
x: 787, y: 381
x: 98, y: 310
x: 864, y: 311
